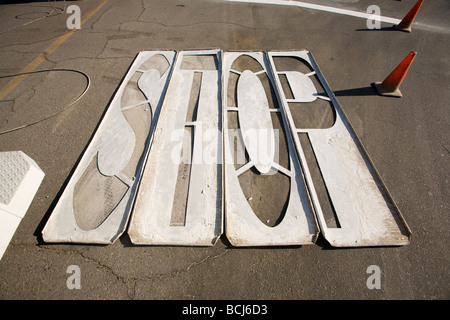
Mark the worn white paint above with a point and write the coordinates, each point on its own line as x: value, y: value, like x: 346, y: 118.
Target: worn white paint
x: 150, y: 222
x: 366, y: 212
x: 301, y: 86
x: 113, y: 145
x: 242, y: 226
x: 255, y: 121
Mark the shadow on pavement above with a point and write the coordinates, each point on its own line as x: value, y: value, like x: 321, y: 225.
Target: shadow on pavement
x: 365, y: 91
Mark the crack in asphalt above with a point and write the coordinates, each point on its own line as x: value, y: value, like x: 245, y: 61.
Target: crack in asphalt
x: 128, y: 282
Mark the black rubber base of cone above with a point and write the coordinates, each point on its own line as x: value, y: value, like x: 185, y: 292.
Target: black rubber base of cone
x: 400, y: 28
x: 382, y: 92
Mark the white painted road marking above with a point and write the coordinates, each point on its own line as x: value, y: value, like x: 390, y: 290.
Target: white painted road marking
x: 347, y: 12
x: 319, y: 7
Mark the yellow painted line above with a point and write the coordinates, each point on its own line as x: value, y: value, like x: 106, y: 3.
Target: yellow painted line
x: 14, y: 82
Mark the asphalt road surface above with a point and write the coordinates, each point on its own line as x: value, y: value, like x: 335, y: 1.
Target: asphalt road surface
x: 408, y: 140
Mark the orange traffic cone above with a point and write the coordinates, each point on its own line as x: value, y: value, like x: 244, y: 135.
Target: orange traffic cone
x: 391, y: 85
x: 405, y: 24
